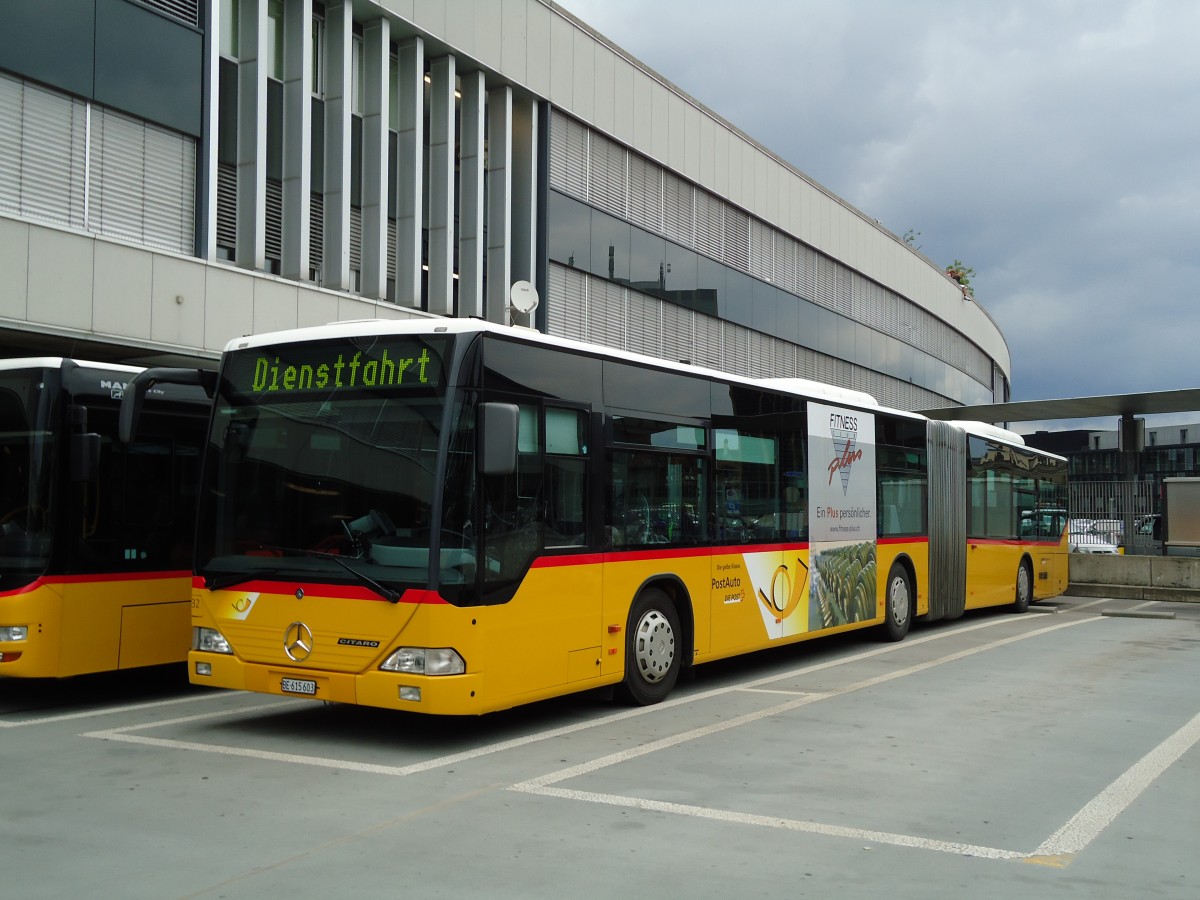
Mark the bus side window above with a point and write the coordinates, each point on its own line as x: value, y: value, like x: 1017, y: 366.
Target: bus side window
x: 565, y: 477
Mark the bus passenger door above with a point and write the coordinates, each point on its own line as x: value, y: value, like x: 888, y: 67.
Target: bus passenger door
x: 543, y: 589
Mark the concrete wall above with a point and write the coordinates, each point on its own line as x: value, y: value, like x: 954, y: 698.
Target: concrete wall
x: 72, y: 283
x: 1138, y: 577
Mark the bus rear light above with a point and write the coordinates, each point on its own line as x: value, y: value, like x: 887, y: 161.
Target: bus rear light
x: 425, y: 661
x: 12, y: 633
x: 210, y: 640
x: 9, y: 657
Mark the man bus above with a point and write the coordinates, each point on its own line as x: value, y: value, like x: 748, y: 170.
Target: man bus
x: 95, y: 535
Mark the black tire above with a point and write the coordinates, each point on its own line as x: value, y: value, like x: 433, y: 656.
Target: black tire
x: 652, y: 648
x: 898, y: 602
x: 1024, y: 592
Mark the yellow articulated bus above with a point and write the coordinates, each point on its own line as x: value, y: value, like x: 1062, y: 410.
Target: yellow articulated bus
x: 454, y: 517
x: 95, y: 535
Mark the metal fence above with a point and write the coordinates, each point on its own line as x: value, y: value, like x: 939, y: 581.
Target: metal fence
x: 1120, y: 512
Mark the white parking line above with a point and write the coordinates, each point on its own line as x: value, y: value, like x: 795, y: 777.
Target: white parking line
x: 108, y: 711
x: 535, y: 784
x: 724, y: 815
x: 1084, y: 827
x: 124, y: 734
x: 1097, y: 815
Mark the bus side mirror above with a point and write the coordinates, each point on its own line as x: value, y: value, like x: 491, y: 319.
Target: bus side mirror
x: 135, y: 393
x: 85, y: 456
x: 498, y: 423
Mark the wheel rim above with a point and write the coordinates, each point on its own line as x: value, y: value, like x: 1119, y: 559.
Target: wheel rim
x: 898, y: 600
x: 1023, y: 585
x: 654, y: 646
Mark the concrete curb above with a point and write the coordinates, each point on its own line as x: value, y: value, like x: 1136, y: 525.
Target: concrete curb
x: 1133, y: 592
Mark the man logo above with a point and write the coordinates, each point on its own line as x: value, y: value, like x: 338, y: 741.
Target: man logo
x: 298, y: 642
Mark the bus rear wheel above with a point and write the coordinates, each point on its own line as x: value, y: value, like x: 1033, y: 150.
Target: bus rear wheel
x: 1024, y: 594
x: 652, y: 656
x: 897, y: 604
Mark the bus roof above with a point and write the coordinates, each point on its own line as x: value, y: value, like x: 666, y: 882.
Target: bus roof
x: 1003, y: 435
x: 55, y: 362
x: 365, y: 327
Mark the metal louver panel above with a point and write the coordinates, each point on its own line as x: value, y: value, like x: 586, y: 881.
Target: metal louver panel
x: 186, y: 11
x: 316, y: 232
x: 644, y: 325
x: 227, y: 207
x: 678, y: 209
x: 785, y: 263
x: 42, y: 158
x: 356, y: 238
x: 710, y: 228
x: 391, y: 251
x: 677, y: 340
x: 841, y: 288
x: 736, y: 355
x: 11, y: 100
x: 566, y: 311
x: 824, y: 289
x: 762, y: 251
x: 760, y: 350
x: 607, y: 183
x: 170, y: 190
x: 274, y: 219
x: 568, y: 156
x: 142, y: 182
x: 645, y: 193
x: 606, y: 319
x: 118, y: 175
x: 736, y: 238
x: 806, y: 272
x: 707, y: 344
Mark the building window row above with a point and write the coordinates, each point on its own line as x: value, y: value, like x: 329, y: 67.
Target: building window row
x: 593, y: 309
x: 81, y: 165
x: 592, y: 168
x: 606, y: 247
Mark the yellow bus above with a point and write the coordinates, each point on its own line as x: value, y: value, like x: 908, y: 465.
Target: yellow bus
x: 95, y: 535
x: 449, y: 516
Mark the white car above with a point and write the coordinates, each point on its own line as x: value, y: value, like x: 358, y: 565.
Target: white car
x: 1087, y: 542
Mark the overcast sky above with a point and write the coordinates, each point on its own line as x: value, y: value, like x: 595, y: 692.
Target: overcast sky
x: 1051, y: 145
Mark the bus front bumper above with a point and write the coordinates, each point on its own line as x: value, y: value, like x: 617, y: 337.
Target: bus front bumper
x: 440, y: 695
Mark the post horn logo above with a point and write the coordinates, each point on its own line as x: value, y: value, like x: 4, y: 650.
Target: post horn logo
x: 786, y: 590
x: 298, y: 642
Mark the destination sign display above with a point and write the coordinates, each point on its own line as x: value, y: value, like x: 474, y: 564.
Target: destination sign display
x: 326, y: 366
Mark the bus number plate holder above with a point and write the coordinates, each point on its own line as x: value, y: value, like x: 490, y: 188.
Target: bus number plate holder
x: 298, y: 686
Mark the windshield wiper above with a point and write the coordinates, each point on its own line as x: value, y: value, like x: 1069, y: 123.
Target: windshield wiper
x: 382, y: 590
x: 228, y: 580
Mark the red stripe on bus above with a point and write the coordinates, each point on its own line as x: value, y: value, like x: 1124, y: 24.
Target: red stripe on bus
x: 48, y: 580
x: 325, y: 592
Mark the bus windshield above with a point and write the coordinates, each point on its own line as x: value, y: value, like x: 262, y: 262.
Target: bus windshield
x: 27, y: 444
x: 322, y: 465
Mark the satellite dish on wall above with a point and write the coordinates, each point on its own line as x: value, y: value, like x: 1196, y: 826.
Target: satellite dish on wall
x: 523, y: 297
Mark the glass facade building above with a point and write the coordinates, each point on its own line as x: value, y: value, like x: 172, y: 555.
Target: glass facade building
x: 175, y: 173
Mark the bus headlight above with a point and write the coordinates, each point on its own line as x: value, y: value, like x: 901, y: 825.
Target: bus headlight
x: 14, y: 632
x: 211, y: 640
x: 425, y: 661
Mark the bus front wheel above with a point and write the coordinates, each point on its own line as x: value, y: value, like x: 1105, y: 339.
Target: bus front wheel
x: 898, y: 604
x: 652, y: 657
x: 1024, y: 587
